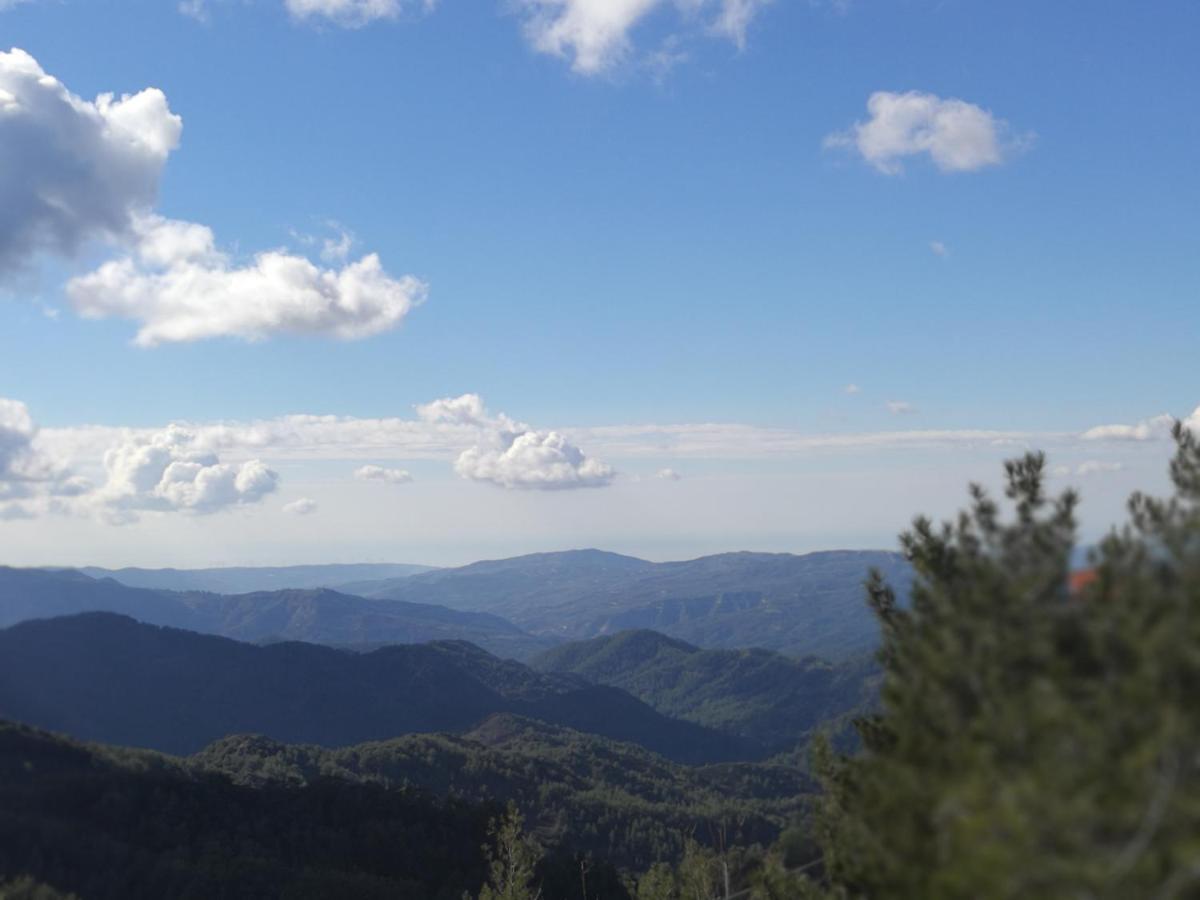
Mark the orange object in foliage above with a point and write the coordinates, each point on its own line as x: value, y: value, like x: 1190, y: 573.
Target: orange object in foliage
x: 1080, y: 580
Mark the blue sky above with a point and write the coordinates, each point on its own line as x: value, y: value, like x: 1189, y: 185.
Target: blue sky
x: 636, y: 244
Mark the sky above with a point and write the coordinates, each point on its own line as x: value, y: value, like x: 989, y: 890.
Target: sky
x: 290, y: 281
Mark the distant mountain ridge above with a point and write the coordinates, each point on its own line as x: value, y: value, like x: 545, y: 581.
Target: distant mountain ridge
x: 104, y: 677
x: 754, y: 694
x: 801, y: 605
x: 316, y: 615
x: 248, y: 579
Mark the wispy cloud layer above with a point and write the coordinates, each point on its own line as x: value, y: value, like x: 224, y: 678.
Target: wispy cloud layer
x: 957, y: 136
x: 354, y: 13
x: 597, y: 35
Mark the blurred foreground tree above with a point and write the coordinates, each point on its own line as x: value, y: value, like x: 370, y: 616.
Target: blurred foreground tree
x: 1031, y: 742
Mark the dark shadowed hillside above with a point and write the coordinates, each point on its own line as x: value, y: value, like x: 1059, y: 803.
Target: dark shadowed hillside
x: 103, y: 677
x: 757, y: 694
x: 614, y: 799
x: 112, y: 824
x: 318, y: 616
x: 800, y: 605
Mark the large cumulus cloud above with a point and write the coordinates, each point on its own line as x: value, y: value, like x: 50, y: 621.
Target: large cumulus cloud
x: 168, y: 472
x: 72, y: 170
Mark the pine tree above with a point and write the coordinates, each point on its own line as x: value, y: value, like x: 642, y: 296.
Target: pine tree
x: 511, y: 861
x: 1031, y: 743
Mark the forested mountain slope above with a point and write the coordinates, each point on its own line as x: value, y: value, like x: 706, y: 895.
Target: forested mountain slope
x: 99, y: 676
x: 772, y: 699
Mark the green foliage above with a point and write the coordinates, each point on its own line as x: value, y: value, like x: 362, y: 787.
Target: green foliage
x: 512, y: 858
x: 614, y: 801
x: 766, y: 697
x: 118, y: 824
x: 1031, y: 743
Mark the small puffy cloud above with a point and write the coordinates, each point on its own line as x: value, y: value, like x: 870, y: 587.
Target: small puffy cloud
x: 958, y: 136
x: 939, y: 249
x: 541, y: 460
x: 73, y: 170
x: 178, y: 287
x: 1154, y: 428
x: 596, y: 35
x: 354, y: 13
x: 380, y: 473
x: 513, y: 455
x: 168, y: 472
x: 305, y: 506
x: 465, y: 410
x: 852, y: 389
x: 900, y: 408
x: 667, y: 475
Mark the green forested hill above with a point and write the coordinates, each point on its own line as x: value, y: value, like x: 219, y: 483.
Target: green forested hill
x: 252, y: 818
x: 109, y: 824
x: 611, y: 799
x: 99, y: 676
x: 800, y: 605
x: 756, y: 694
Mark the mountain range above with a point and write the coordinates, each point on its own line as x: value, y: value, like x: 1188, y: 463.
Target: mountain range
x: 799, y: 605
x: 245, y: 579
x: 315, y: 615
x: 105, y: 677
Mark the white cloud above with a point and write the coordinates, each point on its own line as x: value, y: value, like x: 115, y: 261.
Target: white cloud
x: 900, y: 408
x: 734, y: 18
x: 958, y: 136
x: 465, y: 410
x: 73, y: 170
x: 939, y: 249
x: 1154, y: 428
x: 305, y: 506
x: 380, y: 473
x: 354, y: 13
x: 513, y: 455
x: 596, y: 35
x: 667, y: 475
x: 542, y: 460
x: 852, y: 389
x: 27, y: 472
x: 194, y: 9
x: 166, y: 471
x: 179, y: 287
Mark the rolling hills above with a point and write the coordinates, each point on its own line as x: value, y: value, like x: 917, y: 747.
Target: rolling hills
x: 99, y: 676
x: 755, y: 694
x: 316, y: 615
x: 799, y: 605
